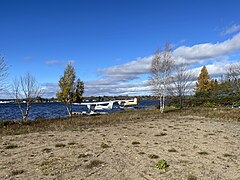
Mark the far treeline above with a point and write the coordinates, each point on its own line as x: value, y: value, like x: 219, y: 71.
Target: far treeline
x: 170, y: 81
x: 180, y: 85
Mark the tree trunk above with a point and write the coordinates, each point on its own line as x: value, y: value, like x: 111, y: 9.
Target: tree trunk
x: 69, y: 110
x: 181, y: 101
x: 163, y: 104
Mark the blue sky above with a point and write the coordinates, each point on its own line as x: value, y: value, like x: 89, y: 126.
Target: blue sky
x: 111, y: 42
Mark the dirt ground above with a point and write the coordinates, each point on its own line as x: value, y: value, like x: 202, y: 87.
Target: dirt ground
x: 193, y: 148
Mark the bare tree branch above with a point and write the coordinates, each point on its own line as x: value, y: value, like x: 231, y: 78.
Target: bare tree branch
x: 181, y: 82
x: 26, y: 89
x: 233, y: 74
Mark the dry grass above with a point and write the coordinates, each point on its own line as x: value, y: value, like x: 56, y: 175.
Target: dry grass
x: 79, y: 122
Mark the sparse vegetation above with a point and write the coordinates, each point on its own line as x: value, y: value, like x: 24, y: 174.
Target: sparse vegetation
x: 76, y: 123
x: 161, y: 134
x: 162, y: 164
x: 227, y: 155
x: 47, y: 150
x: 11, y: 146
x: 153, y: 156
x: 172, y: 150
x: 94, y: 163
x: 135, y: 143
x: 60, y: 145
x: 104, y: 145
x: 203, y: 153
x: 71, y: 143
x: 191, y: 177
x: 84, y: 155
x: 17, y: 172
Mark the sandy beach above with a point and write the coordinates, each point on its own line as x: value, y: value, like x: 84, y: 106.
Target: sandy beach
x: 193, y: 148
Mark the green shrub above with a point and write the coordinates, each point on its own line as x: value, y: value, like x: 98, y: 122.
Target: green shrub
x: 60, y: 145
x: 209, y: 105
x: 191, y: 177
x: 162, y: 164
x: 104, y: 145
x: 135, y: 142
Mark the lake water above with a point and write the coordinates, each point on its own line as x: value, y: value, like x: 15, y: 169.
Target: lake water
x: 51, y: 110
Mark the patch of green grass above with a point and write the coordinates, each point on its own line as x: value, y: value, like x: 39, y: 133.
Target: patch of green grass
x: 135, y: 143
x: 191, y: 177
x: 11, y: 146
x: 172, y: 150
x: 153, y: 156
x: 60, y: 145
x: 203, y: 153
x: 162, y: 164
x: 104, y: 145
x: 94, y: 163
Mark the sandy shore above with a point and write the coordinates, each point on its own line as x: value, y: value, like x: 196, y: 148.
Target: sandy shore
x: 201, y: 148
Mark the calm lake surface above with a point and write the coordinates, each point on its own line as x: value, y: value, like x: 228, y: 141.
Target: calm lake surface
x: 51, y: 110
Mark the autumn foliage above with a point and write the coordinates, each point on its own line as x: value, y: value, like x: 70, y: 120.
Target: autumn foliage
x: 204, y: 84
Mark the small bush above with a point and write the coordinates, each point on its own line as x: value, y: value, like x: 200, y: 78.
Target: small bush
x: 84, y: 155
x: 172, y: 150
x: 135, y: 142
x: 203, y: 153
x: 227, y: 155
x: 11, y: 146
x: 71, y: 143
x: 60, y: 145
x: 162, y: 164
x: 191, y: 177
x: 104, y: 145
x: 153, y: 156
x: 161, y: 134
x: 94, y: 163
x: 209, y: 105
x: 17, y: 172
x: 47, y: 150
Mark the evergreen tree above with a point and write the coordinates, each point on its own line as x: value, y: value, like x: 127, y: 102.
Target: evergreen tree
x: 204, y: 84
x: 70, y: 90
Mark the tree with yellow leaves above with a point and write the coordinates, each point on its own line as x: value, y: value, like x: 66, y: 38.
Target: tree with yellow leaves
x: 204, y: 84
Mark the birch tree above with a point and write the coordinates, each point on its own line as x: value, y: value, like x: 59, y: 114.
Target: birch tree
x: 26, y: 89
x: 181, y: 82
x: 3, y: 74
x: 233, y: 75
x: 70, y: 90
x: 161, y: 68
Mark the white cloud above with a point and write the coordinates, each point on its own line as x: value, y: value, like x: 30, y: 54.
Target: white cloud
x: 118, y: 80
x: 128, y: 71
x: 53, y: 62
x: 109, y: 87
x: 208, y: 50
x: 59, y: 62
x: 234, y: 28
